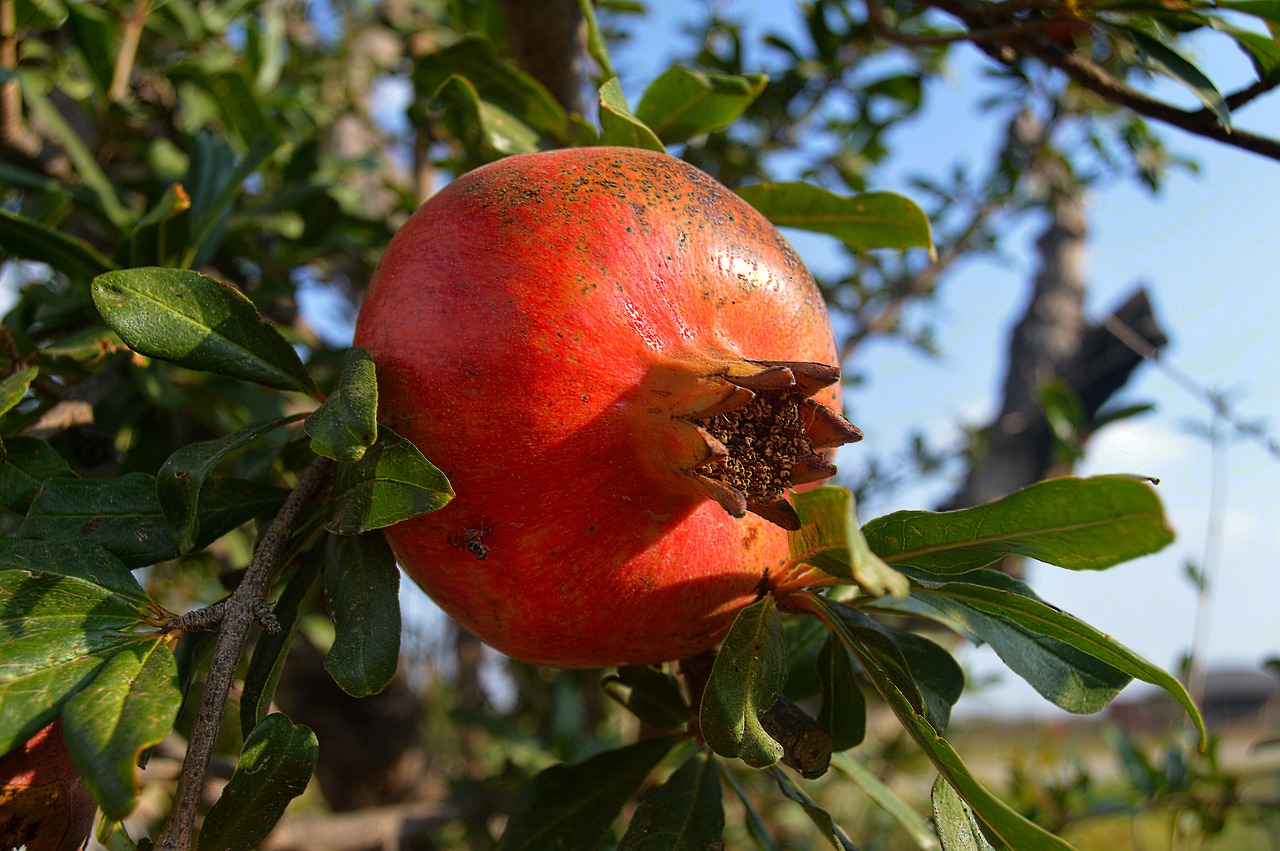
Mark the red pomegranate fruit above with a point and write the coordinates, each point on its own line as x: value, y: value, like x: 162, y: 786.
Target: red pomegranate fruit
x: 44, y: 805
x: 622, y: 368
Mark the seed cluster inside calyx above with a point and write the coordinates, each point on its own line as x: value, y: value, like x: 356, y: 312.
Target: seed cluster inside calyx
x: 764, y: 439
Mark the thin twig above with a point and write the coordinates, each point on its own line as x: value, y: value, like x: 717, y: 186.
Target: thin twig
x: 235, y: 616
x: 130, y: 34
x: 14, y: 133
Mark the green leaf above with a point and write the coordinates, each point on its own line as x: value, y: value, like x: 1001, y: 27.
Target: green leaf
x: 570, y: 807
x: 56, y: 630
x: 830, y: 540
x: 1263, y: 50
x: 1267, y: 10
x: 958, y: 829
x: 821, y: 819
x: 1079, y: 524
x: 1071, y: 679
x: 683, y: 103
x: 650, y: 693
x: 597, y: 47
x: 269, y: 652
x: 746, y: 679
x: 683, y: 814
x: 1165, y: 59
x: 33, y: 240
x: 878, y: 791
x: 200, y: 323
x: 28, y: 463
x: 124, y: 515
x: 347, y: 423
x: 392, y: 482
x: 362, y: 591
x: 862, y: 222
x: 184, y: 473
x: 1006, y: 828
x: 274, y: 767
x: 506, y: 88
x: 15, y: 386
x: 843, y: 712
x: 618, y: 125
x: 129, y: 706
x: 1047, y: 620
x: 80, y: 560
x: 490, y: 130
x: 219, y: 187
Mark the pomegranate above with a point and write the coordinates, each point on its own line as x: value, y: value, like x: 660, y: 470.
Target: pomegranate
x: 44, y: 805
x: 622, y: 368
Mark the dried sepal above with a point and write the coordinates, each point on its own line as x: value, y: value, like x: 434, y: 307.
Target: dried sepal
x: 808, y: 377
x: 777, y: 511
x: 811, y: 468
x: 760, y: 377
x: 825, y: 428
x: 729, y: 498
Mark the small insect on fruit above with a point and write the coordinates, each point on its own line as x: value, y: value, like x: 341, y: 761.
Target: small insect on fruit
x: 472, y: 540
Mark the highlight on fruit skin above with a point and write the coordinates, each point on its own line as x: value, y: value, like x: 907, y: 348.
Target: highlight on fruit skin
x: 44, y: 804
x: 623, y: 368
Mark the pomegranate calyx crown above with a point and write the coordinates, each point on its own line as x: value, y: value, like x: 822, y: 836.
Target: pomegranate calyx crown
x: 763, y: 438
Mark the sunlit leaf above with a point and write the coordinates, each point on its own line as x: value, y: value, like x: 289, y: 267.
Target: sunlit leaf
x: 1072, y: 679
x: 1162, y: 57
x: 830, y: 540
x: 683, y: 103
x: 129, y: 705
x: 862, y: 222
x: 392, y: 482
x: 1079, y: 524
x: 347, y: 423
x: 683, y: 814
x: 745, y: 681
x: 362, y: 591
x: 597, y: 47
x: 570, y: 807
x: 619, y: 125
x: 957, y: 827
x: 916, y: 826
x: 491, y: 130
x: 275, y: 765
x: 200, y: 323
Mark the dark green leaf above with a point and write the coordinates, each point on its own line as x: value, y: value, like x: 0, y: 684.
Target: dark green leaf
x: 570, y: 807
x: 130, y: 705
x: 392, y: 482
x: 490, y: 130
x: 683, y: 103
x: 683, y: 814
x: 271, y: 649
x: 619, y: 125
x: 28, y: 462
x: 958, y: 829
x: 745, y: 681
x: 219, y: 187
x: 200, y: 323
x: 843, y: 712
x: 1263, y: 50
x: 1161, y: 57
x: 347, y: 423
x: 1072, y: 679
x: 124, y: 515
x: 15, y: 386
x: 878, y: 791
x: 362, y: 591
x: 1046, y: 620
x: 1267, y: 10
x: 1079, y: 524
x: 81, y: 560
x: 862, y: 222
x: 274, y: 767
x: 830, y: 540
x: 651, y: 693
x: 33, y: 240
x: 821, y: 819
x: 183, y: 475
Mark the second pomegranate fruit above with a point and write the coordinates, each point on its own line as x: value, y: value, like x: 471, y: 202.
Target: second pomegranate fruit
x: 622, y: 368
